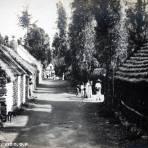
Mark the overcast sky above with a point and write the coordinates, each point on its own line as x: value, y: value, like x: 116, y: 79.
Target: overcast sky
x: 42, y: 10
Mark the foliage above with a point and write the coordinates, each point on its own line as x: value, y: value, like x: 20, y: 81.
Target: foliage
x: 137, y: 25
x: 107, y: 16
x: 93, y: 44
x: 37, y: 42
x: 78, y: 39
x: 121, y: 51
x: 88, y: 63
x: 25, y: 19
x: 62, y: 19
x: 59, y: 65
x: 1, y: 39
x: 60, y: 40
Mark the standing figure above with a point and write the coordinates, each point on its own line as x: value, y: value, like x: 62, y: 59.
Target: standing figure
x: 63, y: 77
x: 30, y: 87
x: 89, y: 89
x: 85, y: 87
x: 82, y: 90
x: 77, y: 90
x: 99, y: 97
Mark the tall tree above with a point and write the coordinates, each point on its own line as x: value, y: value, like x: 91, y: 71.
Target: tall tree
x: 121, y: 52
x: 60, y: 39
x: 25, y: 19
x: 89, y: 48
x: 77, y: 32
x: 60, y: 36
x: 107, y: 16
x: 37, y: 42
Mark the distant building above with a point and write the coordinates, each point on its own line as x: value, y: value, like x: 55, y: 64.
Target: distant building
x: 49, y: 71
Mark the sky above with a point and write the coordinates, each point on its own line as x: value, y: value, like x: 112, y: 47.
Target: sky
x: 42, y: 11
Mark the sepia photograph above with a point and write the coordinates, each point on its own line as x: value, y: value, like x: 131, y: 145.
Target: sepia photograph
x: 74, y: 74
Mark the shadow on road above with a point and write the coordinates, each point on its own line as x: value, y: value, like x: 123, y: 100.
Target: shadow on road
x: 68, y: 124
x: 54, y: 124
x: 55, y: 87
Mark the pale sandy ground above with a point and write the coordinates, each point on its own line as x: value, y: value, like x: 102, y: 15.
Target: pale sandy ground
x: 59, y: 119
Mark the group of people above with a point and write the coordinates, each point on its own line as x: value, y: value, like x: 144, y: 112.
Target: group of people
x: 85, y: 90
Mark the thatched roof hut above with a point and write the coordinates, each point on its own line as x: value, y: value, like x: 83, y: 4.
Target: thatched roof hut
x: 15, y: 84
x: 131, y: 80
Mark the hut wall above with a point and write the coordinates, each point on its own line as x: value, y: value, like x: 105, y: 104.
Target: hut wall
x: 36, y: 79
x: 9, y: 97
x: 15, y: 93
x: 133, y: 94
x: 24, y: 89
x: 2, y: 84
x: 19, y: 92
x: 40, y: 74
x: 27, y: 88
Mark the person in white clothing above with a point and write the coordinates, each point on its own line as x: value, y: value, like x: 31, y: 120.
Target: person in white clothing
x: 82, y: 90
x: 89, y: 89
x: 99, y: 97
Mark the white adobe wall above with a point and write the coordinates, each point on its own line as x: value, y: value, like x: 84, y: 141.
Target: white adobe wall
x: 9, y: 96
x: 15, y: 92
x: 19, y: 92
x: 34, y: 79
x: 40, y: 73
x: 27, y: 88
x: 24, y: 89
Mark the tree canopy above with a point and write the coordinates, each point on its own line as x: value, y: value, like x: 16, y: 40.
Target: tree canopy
x: 60, y: 40
x: 37, y: 42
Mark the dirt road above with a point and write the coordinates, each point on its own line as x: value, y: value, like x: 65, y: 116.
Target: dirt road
x: 58, y: 119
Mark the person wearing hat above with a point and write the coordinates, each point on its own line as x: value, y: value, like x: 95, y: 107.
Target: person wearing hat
x: 99, y: 97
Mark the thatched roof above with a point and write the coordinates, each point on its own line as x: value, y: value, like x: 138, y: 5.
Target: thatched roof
x: 135, y: 69
x: 9, y: 65
x: 30, y: 69
x: 28, y: 57
x: 24, y: 53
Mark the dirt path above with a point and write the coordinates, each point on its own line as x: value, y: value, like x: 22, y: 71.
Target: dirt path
x: 57, y: 119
